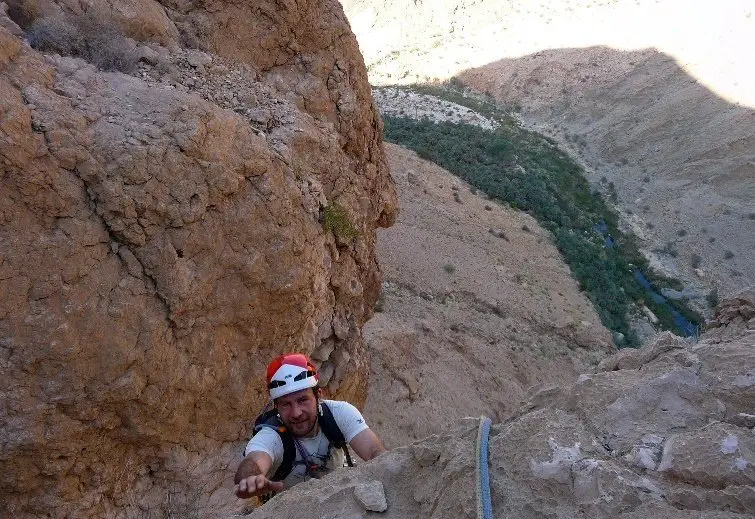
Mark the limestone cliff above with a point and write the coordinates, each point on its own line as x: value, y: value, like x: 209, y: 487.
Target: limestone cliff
x: 157, y: 248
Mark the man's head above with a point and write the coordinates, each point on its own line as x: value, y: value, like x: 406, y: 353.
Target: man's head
x: 299, y: 411
x: 292, y: 380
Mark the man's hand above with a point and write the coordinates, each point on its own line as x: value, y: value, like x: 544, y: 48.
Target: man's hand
x: 257, y: 485
x: 250, y: 477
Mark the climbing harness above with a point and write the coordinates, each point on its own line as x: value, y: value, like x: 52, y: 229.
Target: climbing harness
x: 484, y: 503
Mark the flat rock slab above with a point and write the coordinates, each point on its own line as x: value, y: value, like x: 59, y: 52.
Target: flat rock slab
x: 372, y: 496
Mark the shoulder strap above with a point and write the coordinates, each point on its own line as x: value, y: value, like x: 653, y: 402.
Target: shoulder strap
x: 272, y: 421
x: 332, y: 432
x: 289, y: 455
x: 330, y: 427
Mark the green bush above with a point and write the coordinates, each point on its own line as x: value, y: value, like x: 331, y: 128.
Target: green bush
x: 554, y: 191
x: 336, y: 220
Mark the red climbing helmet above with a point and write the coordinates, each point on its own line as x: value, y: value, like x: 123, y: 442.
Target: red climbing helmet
x: 289, y: 373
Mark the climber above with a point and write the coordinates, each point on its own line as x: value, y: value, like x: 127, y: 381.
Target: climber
x: 303, y: 436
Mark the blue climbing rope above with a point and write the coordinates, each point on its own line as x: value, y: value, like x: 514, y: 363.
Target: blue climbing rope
x: 484, y: 502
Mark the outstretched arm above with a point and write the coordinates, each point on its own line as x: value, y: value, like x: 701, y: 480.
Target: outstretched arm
x: 367, y: 445
x: 251, y: 476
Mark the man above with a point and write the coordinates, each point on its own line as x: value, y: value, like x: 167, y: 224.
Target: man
x: 300, y: 426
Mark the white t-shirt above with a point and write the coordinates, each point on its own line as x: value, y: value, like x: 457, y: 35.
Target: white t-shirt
x: 319, y: 452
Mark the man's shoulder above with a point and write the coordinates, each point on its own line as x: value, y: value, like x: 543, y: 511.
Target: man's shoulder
x: 348, y: 418
x: 267, y: 440
x: 337, y: 403
x: 266, y: 436
x: 341, y: 407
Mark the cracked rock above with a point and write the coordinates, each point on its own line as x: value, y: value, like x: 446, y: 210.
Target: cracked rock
x: 372, y: 496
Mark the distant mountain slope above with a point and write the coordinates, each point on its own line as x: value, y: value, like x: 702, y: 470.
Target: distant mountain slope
x: 682, y: 159
x: 470, y: 319
x: 672, y: 130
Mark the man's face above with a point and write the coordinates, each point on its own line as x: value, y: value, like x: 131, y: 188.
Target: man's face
x: 298, y: 411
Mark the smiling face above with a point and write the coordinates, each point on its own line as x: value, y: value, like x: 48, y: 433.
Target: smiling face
x: 299, y: 412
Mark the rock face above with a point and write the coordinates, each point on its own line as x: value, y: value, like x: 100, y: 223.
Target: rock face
x: 156, y: 250
x: 658, y: 432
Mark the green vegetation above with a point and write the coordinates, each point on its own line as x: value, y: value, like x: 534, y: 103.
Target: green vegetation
x: 528, y: 172
x: 336, y: 220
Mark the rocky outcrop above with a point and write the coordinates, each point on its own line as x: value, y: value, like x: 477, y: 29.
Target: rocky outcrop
x: 665, y: 431
x: 157, y: 249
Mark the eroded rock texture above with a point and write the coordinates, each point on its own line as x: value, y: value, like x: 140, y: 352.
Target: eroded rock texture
x: 156, y: 250
x: 665, y: 431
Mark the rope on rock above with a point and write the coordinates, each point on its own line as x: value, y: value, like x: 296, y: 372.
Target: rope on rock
x: 484, y: 502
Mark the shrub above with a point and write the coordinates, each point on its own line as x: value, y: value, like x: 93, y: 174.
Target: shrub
x: 681, y: 233
x: 499, y: 234
x: 728, y: 254
x: 58, y: 34
x: 695, y: 260
x: 450, y: 269
x: 336, y: 220
x: 86, y: 37
x: 379, y: 304
x: 667, y: 249
x: 712, y: 298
